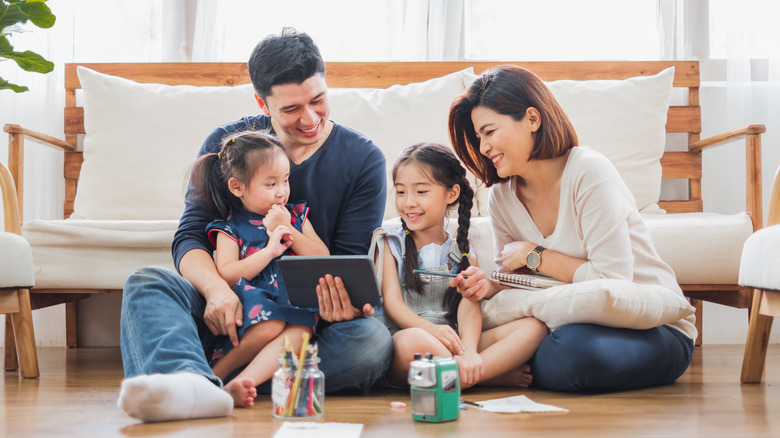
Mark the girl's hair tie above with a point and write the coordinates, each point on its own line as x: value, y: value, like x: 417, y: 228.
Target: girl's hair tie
x: 219, y: 155
x: 407, y: 232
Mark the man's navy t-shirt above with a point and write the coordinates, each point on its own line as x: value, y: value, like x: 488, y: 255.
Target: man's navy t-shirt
x: 343, y: 183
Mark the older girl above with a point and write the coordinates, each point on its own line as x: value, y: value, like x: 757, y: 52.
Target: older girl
x: 424, y: 313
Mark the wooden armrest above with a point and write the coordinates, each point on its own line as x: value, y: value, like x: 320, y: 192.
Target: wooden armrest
x: 16, y: 137
x: 753, y: 197
x: 11, y: 214
x: 38, y: 137
x: 726, y: 136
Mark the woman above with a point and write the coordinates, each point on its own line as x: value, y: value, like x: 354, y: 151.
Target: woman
x: 562, y: 210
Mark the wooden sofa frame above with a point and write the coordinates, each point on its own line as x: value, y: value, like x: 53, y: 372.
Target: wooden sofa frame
x: 677, y: 165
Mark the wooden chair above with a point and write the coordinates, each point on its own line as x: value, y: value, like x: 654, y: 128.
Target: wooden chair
x: 760, y: 269
x: 16, y: 277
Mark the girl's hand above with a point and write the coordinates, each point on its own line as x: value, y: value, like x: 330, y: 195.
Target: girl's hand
x: 470, y: 368
x: 515, y: 254
x: 279, y: 240
x: 277, y: 215
x: 474, y: 288
x: 448, y: 337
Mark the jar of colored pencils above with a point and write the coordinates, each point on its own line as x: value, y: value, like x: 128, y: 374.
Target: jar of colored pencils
x: 298, y: 386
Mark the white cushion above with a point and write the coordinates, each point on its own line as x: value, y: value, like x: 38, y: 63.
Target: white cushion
x: 760, y: 264
x: 75, y: 253
x: 141, y: 140
x: 400, y: 116
x: 612, y: 303
x: 626, y: 121
x: 701, y: 248
x: 16, y: 262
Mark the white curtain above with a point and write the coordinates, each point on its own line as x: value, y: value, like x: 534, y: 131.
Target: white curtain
x: 736, y: 44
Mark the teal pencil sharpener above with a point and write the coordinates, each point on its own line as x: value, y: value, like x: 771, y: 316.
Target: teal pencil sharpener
x: 435, y: 388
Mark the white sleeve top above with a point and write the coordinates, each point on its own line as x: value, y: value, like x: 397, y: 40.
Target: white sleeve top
x: 597, y: 221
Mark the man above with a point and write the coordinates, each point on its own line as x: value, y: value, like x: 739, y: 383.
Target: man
x: 170, y: 320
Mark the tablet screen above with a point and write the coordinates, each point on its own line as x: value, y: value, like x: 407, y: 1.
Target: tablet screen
x: 301, y: 275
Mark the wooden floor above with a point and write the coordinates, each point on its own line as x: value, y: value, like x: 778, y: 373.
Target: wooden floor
x: 76, y: 397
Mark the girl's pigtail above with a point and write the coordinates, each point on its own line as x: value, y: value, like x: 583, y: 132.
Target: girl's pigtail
x: 209, y: 186
x: 411, y: 279
x: 465, y: 202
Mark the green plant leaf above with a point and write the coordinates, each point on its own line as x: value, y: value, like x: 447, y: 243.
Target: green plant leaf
x: 31, y: 61
x: 5, y: 85
x: 10, y: 15
x: 39, y: 14
x: 5, y: 46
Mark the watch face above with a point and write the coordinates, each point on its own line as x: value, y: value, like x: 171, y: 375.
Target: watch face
x: 533, y: 260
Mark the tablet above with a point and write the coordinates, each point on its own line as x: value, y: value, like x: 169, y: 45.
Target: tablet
x: 301, y: 274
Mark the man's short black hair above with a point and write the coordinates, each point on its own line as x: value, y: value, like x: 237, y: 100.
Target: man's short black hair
x: 288, y: 58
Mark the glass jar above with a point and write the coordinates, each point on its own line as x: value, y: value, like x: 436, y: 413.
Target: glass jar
x: 298, y: 393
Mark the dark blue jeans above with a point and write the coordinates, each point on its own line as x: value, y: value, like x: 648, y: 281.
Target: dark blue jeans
x: 162, y: 331
x: 589, y: 357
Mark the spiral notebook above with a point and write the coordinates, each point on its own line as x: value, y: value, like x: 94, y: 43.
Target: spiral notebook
x: 524, y: 281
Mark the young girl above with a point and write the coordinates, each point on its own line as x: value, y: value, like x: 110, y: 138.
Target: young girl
x: 424, y: 313
x: 246, y: 185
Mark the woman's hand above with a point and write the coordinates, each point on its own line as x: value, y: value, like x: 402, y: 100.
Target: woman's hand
x: 276, y: 216
x: 470, y: 368
x: 448, y: 337
x: 279, y: 240
x: 515, y: 254
x: 474, y: 288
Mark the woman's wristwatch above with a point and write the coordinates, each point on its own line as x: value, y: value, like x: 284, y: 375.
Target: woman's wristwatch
x: 534, y: 258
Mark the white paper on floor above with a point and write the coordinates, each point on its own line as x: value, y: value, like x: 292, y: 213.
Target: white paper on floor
x: 518, y: 403
x: 294, y: 429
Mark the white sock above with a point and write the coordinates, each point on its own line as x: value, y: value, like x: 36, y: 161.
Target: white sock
x: 167, y: 397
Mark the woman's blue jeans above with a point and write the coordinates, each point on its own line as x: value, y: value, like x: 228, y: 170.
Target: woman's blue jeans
x: 163, y: 332
x: 588, y: 357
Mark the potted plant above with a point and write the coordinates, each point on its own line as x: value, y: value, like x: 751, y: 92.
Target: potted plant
x: 13, y: 14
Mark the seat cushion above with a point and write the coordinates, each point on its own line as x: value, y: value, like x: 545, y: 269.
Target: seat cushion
x: 701, y: 248
x: 760, y: 264
x: 16, y: 262
x: 89, y: 254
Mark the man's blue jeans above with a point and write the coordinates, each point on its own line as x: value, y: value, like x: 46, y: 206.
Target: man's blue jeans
x: 163, y: 332
x: 588, y: 357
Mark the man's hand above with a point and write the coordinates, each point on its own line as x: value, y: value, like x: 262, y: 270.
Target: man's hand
x: 334, y: 301
x: 223, y: 313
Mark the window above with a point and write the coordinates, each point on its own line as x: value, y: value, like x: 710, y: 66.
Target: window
x: 561, y: 30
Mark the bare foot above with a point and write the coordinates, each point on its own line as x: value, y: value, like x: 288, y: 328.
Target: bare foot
x: 519, y: 377
x: 243, y: 392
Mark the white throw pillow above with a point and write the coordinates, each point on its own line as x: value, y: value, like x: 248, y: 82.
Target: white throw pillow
x: 626, y: 121
x: 611, y: 303
x: 141, y: 140
x: 400, y: 116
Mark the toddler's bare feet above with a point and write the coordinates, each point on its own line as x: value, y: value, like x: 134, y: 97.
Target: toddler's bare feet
x: 243, y: 392
x: 519, y: 377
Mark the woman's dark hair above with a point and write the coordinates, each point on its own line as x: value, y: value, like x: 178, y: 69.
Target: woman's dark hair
x: 288, y: 58
x: 240, y: 157
x: 508, y: 90
x: 442, y: 167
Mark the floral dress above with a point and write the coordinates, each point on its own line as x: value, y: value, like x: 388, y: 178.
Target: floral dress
x: 263, y: 297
